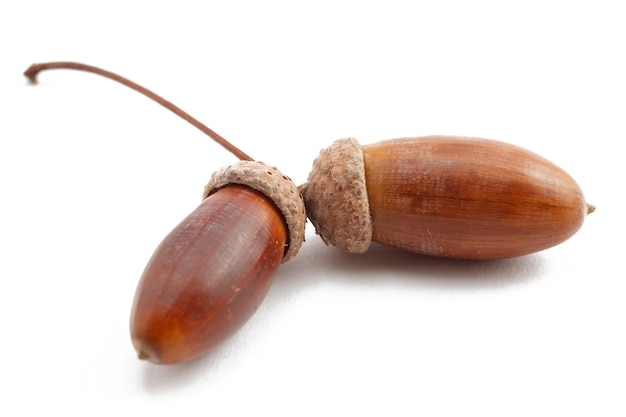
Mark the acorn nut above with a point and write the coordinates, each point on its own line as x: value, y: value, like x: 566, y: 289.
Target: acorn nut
x: 445, y: 196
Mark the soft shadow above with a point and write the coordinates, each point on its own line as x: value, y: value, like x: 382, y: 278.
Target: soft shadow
x: 384, y: 266
x: 382, y: 263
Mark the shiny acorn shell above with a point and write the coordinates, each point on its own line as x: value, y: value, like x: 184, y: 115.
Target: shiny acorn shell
x: 211, y: 273
x: 445, y: 196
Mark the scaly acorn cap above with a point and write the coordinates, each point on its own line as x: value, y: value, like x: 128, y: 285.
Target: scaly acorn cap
x: 335, y: 196
x: 277, y: 187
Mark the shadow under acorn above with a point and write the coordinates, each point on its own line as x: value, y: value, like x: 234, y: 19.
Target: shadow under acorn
x: 382, y: 265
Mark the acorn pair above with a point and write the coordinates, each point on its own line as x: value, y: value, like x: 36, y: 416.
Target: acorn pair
x: 443, y: 196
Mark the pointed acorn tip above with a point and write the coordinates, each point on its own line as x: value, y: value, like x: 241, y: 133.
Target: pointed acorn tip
x: 145, y: 352
x: 590, y: 208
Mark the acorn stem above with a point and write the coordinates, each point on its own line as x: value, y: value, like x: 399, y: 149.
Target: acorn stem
x: 33, y: 70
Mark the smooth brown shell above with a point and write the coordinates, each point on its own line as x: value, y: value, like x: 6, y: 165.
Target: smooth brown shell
x: 208, y: 276
x: 468, y: 198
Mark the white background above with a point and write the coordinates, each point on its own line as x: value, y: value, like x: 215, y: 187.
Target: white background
x: 93, y: 176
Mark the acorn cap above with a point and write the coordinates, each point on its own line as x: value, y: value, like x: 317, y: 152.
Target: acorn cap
x: 277, y: 187
x: 335, y: 197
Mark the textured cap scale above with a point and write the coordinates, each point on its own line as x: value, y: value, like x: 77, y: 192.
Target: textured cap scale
x: 335, y: 197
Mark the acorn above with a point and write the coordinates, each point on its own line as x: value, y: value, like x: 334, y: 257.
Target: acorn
x: 211, y: 273
x: 445, y: 196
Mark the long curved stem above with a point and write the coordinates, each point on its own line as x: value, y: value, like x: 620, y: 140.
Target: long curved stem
x: 35, y: 69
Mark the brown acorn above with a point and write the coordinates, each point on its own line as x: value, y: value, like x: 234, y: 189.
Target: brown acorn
x: 443, y: 196
x: 210, y: 274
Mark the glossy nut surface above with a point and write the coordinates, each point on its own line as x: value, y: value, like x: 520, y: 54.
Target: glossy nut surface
x: 208, y: 276
x: 468, y: 198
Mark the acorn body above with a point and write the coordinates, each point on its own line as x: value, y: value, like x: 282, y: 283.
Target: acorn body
x: 208, y: 276
x: 444, y: 196
x: 211, y: 273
